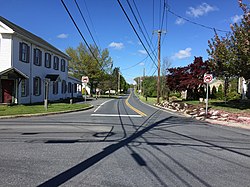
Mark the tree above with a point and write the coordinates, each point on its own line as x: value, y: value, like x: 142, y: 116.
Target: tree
x: 189, y: 78
x: 164, y: 86
x: 89, y: 62
x: 240, y: 44
x: 230, y: 55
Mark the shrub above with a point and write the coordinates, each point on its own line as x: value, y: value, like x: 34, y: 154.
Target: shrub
x: 234, y: 95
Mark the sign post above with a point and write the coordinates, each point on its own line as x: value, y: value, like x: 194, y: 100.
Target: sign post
x: 208, y: 78
x: 85, y: 81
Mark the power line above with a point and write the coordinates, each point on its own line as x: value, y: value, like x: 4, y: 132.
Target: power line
x: 135, y: 31
x: 72, y: 19
x: 195, y: 23
x: 135, y: 64
x: 140, y: 28
x: 91, y: 21
x: 150, y: 39
x: 86, y: 24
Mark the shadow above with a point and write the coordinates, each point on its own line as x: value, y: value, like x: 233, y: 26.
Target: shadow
x: 139, y: 160
x: 60, y: 141
x: 75, y: 170
x: 208, y: 143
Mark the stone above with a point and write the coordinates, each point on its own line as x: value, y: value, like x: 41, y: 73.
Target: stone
x: 222, y: 119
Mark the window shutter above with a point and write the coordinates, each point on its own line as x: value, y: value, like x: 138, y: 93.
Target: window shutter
x: 28, y: 53
x: 34, y: 56
x: 20, y: 51
x: 34, y: 86
x: 40, y: 58
x: 27, y: 87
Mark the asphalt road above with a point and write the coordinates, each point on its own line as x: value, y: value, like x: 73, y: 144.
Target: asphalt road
x: 122, y: 142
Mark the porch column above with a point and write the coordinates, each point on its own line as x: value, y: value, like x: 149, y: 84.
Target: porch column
x: 1, y: 91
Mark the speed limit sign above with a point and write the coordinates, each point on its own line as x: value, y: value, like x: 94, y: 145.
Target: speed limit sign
x: 208, y: 78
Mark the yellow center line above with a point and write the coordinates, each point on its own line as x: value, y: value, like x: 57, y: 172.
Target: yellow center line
x: 133, y: 108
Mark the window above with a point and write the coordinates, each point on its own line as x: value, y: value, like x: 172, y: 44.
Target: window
x: 24, y: 51
x: 56, y: 63
x: 69, y: 87
x: 37, y: 57
x: 63, y: 63
x: 55, y: 87
x: 75, y: 87
x: 64, y: 87
x: 37, y: 86
x: 25, y: 87
x: 47, y: 60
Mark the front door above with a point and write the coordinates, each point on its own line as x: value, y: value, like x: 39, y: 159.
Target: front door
x: 7, y: 87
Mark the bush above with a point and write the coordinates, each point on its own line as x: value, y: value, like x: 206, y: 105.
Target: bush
x: 219, y: 94
x: 175, y: 94
x: 233, y: 96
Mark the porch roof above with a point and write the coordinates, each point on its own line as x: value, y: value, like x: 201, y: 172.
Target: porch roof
x: 13, y: 73
x: 53, y: 77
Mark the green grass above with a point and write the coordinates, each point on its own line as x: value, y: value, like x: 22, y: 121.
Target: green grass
x: 237, y: 106
x: 6, y: 110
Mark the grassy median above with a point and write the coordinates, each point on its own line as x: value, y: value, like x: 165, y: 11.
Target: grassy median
x: 6, y: 110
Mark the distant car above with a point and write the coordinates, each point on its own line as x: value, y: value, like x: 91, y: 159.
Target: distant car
x: 111, y: 92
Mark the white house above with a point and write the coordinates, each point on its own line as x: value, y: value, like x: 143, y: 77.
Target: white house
x: 30, y: 68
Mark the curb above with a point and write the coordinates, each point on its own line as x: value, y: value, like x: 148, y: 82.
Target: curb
x: 46, y: 114
x: 211, y: 121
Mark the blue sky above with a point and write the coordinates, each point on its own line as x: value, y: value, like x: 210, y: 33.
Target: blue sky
x: 183, y: 40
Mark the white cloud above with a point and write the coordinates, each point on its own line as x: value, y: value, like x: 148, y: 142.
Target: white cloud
x: 62, y: 36
x: 179, y: 21
x: 183, y: 53
x: 116, y: 45
x: 142, y: 52
x: 236, y: 18
x: 200, y: 10
x: 142, y: 64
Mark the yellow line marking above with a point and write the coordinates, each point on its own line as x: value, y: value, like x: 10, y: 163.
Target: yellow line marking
x: 133, y: 108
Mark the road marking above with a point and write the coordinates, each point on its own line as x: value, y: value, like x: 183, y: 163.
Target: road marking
x: 116, y: 115
x: 102, y: 104
x: 133, y: 108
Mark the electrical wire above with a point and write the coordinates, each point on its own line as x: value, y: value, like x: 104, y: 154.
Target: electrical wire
x: 195, y: 23
x: 150, y: 39
x: 79, y: 31
x: 87, y: 25
x: 141, y: 29
x: 135, y: 31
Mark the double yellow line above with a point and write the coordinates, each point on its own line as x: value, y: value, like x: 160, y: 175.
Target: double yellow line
x: 133, y: 108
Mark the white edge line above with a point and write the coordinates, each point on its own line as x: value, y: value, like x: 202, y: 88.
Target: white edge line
x: 102, y: 104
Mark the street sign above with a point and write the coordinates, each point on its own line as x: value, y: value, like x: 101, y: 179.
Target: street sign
x: 85, y: 79
x: 208, y: 78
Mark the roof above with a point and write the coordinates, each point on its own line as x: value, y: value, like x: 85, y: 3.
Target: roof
x: 75, y: 79
x: 31, y: 36
x: 13, y: 72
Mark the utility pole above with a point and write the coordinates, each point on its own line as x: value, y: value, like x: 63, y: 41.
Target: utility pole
x: 119, y: 76
x: 143, y: 86
x: 159, y: 66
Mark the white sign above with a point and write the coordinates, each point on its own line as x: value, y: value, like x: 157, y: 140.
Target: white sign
x: 85, y: 79
x: 208, y: 78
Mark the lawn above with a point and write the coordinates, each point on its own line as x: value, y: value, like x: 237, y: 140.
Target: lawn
x: 237, y: 106
x: 6, y: 110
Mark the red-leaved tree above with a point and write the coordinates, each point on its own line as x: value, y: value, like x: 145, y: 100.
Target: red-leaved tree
x: 189, y: 78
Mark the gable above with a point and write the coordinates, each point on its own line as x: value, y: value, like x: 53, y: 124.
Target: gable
x: 5, y: 29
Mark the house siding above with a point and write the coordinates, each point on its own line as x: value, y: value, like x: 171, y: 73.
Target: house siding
x: 10, y: 57
x: 5, y: 51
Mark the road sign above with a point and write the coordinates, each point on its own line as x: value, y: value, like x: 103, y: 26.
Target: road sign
x: 85, y: 79
x: 208, y: 78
